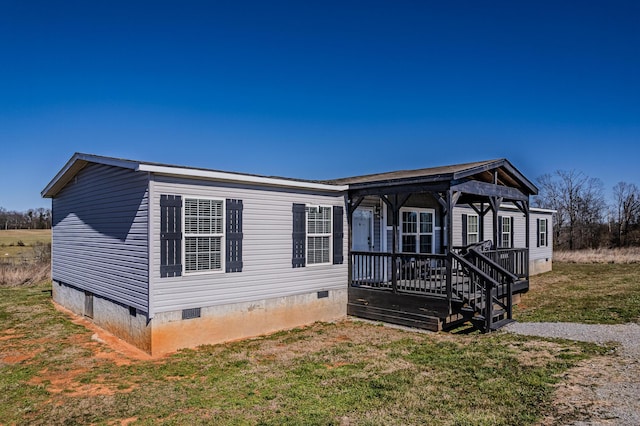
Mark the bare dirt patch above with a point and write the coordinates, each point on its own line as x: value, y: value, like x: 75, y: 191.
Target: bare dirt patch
x: 114, y: 348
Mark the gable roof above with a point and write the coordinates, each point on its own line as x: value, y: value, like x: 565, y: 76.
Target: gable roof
x: 482, y: 170
x: 507, y: 175
x: 79, y: 160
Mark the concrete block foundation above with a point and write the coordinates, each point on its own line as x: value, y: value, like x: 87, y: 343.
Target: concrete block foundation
x: 539, y: 266
x: 168, y: 331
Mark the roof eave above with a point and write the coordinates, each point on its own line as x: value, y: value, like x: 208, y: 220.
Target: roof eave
x: 235, y: 177
x: 76, y: 163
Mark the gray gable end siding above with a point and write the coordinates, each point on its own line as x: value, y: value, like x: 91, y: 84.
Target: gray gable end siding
x: 100, y: 234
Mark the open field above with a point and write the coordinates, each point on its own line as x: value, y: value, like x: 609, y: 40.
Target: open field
x: 25, y: 256
x: 604, y: 255
x: 53, y: 372
x: 20, y: 242
x: 593, y: 293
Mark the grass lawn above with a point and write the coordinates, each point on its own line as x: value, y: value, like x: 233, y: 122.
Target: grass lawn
x: 9, y: 240
x: 52, y: 372
x: 587, y: 293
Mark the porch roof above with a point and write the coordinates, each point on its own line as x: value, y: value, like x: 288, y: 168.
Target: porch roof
x: 490, y: 177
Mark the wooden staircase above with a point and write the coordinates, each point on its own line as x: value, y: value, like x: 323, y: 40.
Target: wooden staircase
x: 482, y: 289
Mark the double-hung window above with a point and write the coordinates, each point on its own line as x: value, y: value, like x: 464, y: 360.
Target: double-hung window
x: 472, y: 229
x: 203, y: 234
x: 505, y: 238
x: 417, y: 231
x: 542, y: 233
x: 318, y: 235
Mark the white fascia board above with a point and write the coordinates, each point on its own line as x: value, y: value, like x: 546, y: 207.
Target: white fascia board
x: 233, y: 177
x: 531, y: 209
x: 541, y: 210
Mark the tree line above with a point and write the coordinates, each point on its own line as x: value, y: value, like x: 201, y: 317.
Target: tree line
x: 39, y: 218
x: 583, y: 218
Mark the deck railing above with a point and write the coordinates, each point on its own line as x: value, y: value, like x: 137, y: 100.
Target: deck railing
x: 499, y: 273
x: 400, y: 272
x: 514, y: 260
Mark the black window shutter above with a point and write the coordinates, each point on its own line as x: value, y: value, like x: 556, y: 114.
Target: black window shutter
x: 170, y: 236
x: 513, y: 230
x: 338, y: 235
x: 299, y: 235
x: 233, y: 260
x: 499, y: 242
x: 538, y: 232
x: 464, y: 229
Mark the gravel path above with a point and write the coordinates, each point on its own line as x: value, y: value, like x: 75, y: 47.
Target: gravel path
x: 608, y: 391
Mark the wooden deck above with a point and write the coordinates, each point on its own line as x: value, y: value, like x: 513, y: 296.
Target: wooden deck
x: 433, y: 291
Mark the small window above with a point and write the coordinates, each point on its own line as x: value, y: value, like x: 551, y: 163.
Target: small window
x: 318, y: 235
x: 505, y: 238
x: 472, y: 229
x: 542, y: 232
x: 203, y: 234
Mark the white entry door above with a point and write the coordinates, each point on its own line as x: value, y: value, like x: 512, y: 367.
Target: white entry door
x: 362, y: 240
x: 362, y: 230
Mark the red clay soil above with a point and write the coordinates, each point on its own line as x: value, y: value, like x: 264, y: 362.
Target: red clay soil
x: 123, y: 352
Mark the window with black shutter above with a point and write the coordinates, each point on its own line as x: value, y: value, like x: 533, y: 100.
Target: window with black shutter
x: 299, y: 235
x: 338, y: 235
x: 170, y: 235
x: 233, y: 261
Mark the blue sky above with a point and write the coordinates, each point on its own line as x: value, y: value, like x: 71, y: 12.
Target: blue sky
x: 318, y: 89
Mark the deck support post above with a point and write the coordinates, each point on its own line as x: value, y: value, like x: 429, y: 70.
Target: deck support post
x: 449, y: 220
x: 527, y: 231
x: 395, y: 204
x: 495, y: 206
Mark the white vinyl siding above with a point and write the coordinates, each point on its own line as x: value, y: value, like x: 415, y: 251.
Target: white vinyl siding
x: 203, y: 235
x: 318, y: 235
x: 505, y: 238
x: 266, y: 248
x: 472, y: 229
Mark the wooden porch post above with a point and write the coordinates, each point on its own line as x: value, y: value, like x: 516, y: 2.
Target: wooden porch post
x: 495, y: 206
x: 449, y: 221
x: 481, y: 220
x: 394, y: 242
x: 527, y: 231
x: 350, y: 236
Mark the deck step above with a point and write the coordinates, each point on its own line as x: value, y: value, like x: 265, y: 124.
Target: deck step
x: 499, y: 324
x: 393, y: 316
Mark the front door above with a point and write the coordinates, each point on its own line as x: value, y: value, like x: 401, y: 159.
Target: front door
x: 362, y: 240
x: 362, y: 231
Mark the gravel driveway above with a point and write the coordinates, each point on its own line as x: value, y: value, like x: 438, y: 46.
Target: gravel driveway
x: 607, y: 391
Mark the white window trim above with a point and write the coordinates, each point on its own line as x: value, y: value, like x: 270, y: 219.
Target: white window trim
x: 477, y: 232
x: 307, y: 235
x: 510, y: 220
x: 223, y: 254
x: 418, y: 233
x: 543, y: 234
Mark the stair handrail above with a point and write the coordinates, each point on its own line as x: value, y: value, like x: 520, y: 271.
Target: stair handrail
x: 508, y: 274
x: 486, y: 287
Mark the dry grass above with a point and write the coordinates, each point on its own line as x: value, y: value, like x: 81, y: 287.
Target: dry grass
x: 25, y: 256
x: 14, y: 274
x: 618, y: 255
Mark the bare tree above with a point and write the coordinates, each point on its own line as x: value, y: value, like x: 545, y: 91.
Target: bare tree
x: 626, y: 198
x: 579, y: 204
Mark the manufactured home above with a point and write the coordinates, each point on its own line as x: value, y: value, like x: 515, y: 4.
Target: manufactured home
x: 168, y: 257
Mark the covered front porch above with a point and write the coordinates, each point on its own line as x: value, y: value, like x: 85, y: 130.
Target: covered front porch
x: 432, y: 248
